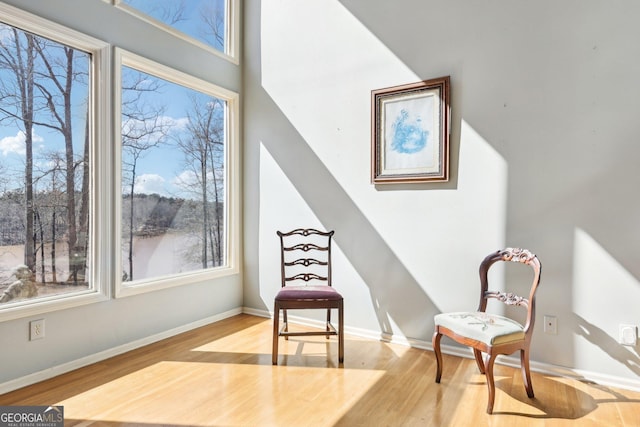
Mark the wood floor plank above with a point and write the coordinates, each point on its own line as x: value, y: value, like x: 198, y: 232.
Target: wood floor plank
x: 221, y: 375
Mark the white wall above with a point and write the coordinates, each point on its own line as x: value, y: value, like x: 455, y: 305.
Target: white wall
x: 544, y: 155
x: 81, y: 334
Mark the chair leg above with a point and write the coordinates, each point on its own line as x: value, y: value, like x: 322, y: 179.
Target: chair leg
x: 340, y: 334
x: 276, y: 327
x: 488, y: 370
x: 479, y: 360
x: 327, y: 328
x: 286, y: 323
x: 526, y: 373
x: 435, y: 342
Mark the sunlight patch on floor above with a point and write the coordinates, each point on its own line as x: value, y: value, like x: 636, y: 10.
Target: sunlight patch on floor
x: 289, y: 390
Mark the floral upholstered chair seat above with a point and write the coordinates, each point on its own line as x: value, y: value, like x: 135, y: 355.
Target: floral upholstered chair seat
x: 490, y: 329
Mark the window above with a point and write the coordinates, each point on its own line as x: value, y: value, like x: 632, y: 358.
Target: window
x: 47, y: 143
x: 144, y: 198
x: 178, y: 165
x: 206, y: 22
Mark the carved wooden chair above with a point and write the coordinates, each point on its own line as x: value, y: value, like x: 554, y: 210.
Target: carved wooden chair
x: 306, y: 284
x: 489, y: 333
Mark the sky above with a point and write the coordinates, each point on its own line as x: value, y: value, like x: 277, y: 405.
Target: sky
x: 162, y: 169
x: 190, y: 10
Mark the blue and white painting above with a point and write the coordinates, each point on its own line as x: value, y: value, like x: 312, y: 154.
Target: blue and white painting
x: 411, y: 134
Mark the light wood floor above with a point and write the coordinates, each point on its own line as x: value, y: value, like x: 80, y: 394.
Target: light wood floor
x: 221, y: 375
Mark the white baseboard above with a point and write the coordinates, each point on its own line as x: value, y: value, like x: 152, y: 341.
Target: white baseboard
x: 256, y: 312
x: 542, y: 368
x: 97, y: 357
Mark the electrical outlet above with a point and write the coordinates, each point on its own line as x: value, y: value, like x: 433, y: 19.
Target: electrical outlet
x: 628, y: 335
x: 550, y: 325
x: 36, y: 329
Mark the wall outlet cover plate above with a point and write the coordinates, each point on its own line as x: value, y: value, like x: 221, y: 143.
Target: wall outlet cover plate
x: 628, y: 335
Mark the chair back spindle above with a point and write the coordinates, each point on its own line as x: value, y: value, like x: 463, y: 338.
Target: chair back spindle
x: 516, y: 255
x: 308, y: 260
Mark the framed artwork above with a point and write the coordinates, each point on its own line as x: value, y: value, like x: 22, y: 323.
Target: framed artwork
x: 410, y: 132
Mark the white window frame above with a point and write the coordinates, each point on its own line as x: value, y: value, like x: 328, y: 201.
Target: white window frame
x: 100, y: 91
x: 232, y: 29
x: 232, y: 173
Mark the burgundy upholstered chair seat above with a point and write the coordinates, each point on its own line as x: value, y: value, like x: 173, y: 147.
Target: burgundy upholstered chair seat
x: 308, y: 293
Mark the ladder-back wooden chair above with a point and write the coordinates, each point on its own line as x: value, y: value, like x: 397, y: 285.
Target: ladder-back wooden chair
x: 306, y: 284
x: 490, y: 333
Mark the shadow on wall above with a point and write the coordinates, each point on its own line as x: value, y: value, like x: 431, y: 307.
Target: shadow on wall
x: 395, y: 294
x: 606, y: 343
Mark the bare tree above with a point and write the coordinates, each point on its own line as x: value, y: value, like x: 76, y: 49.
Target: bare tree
x: 83, y: 220
x: 53, y: 201
x: 60, y: 72
x: 212, y: 29
x: 203, y: 148
x: 40, y: 94
x: 18, y: 54
x: 143, y: 128
x: 168, y: 11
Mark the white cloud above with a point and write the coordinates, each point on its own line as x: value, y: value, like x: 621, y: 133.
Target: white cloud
x: 15, y: 144
x: 176, y: 124
x: 150, y: 183
x: 187, y: 184
x: 186, y: 179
